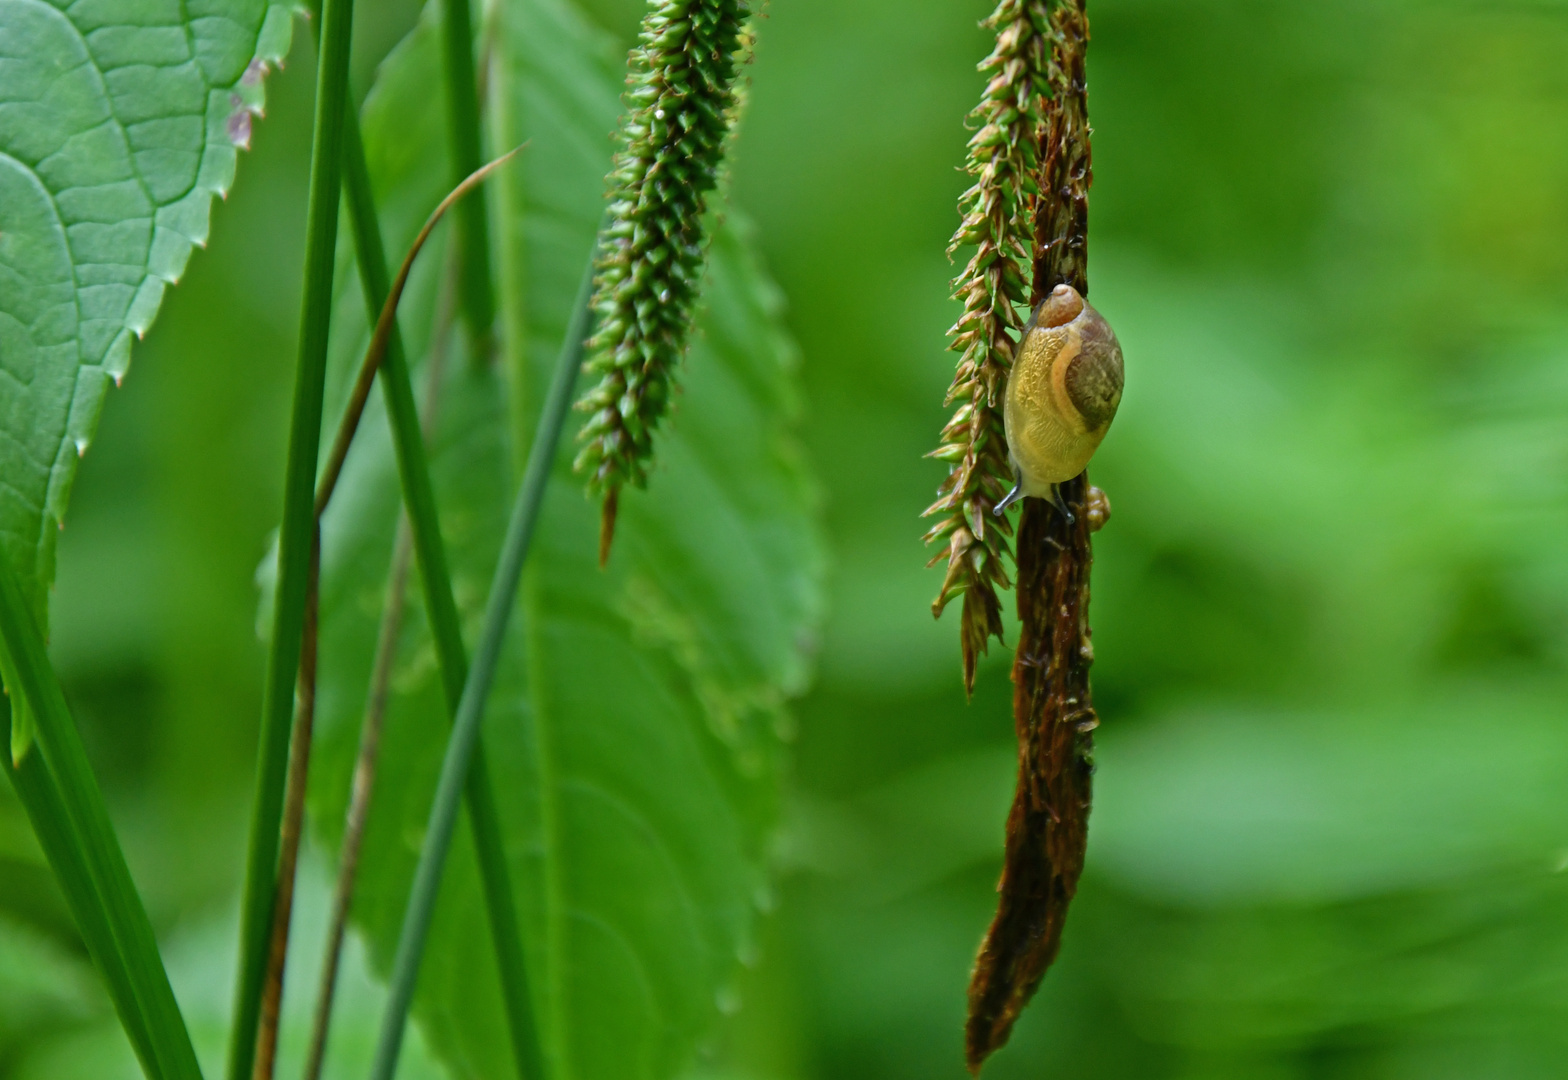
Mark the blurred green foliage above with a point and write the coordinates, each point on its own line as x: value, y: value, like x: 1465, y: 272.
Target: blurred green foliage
x: 1331, y: 608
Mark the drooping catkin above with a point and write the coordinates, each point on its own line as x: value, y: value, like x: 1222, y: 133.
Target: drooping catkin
x: 1053, y: 702
x: 996, y: 222
x: 681, y: 104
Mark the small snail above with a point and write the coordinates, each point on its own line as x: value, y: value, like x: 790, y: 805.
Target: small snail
x: 1061, y: 395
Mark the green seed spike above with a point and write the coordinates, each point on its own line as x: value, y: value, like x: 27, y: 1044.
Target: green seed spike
x: 682, y: 103
x: 995, y: 212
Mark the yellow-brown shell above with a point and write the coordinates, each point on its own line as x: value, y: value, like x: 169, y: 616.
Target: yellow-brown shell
x: 1062, y: 392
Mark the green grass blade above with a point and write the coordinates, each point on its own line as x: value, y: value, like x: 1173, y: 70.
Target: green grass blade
x: 465, y: 728
x: 45, y: 810
x: 68, y: 813
x: 294, y: 541
x: 473, y: 228
x: 446, y: 625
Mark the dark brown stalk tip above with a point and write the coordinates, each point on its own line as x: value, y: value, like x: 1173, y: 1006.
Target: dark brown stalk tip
x: 1048, y: 826
x: 612, y: 503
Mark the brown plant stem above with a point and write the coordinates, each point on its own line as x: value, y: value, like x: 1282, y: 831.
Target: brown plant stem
x: 1053, y: 714
x: 359, y: 799
x: 368, y: 754
x: 293, y: 819
x: 381, y: 335
x: 299, y: 748
x: 1053, y: 711
x: 1061, y: 209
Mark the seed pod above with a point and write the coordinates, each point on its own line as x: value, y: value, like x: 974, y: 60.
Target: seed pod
x: 681, y: 98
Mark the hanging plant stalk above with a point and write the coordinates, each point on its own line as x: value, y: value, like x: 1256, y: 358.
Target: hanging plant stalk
x: 1053, y: 712
x: 1002, y: 159
x: 681, y: 105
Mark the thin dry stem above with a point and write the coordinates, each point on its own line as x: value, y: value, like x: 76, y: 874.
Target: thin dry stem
x: 359, y: 800
x: 293, y: 818
x: 381, y: 335
x: 299, y: 752
x: 368, y: 755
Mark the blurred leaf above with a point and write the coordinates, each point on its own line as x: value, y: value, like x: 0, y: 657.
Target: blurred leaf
x: 1264, y: 806
x: 118, y: 124
x: 1326, y: 526
x: 1369, y: 887
x: 1212, y: 807
x: 635, y: 727
x: 1465, y: 962
x: 42, y: 988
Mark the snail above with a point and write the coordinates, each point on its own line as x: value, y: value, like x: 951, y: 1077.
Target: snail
x: 1062, y: 393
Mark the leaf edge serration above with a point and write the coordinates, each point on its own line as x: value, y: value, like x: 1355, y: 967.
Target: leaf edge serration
x: 179, y: 226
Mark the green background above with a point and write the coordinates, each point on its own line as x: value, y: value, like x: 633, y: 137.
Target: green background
x: 1331, y: 607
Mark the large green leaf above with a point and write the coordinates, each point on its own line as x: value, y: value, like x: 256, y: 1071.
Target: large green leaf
x: 636, y: 724
x: 119, y: 121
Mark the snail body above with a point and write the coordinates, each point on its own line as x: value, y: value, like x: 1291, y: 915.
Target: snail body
x: 1062, y: 393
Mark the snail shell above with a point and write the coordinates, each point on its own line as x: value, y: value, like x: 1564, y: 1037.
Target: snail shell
x: 1062, y: 392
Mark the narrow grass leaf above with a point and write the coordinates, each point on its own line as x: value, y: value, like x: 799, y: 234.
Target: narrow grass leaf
x: 73, y: 826
x: 45, y: 810
x: 466, y: 152
x: 476, y: 693
x: 420, y: 505
x: 296, y: 533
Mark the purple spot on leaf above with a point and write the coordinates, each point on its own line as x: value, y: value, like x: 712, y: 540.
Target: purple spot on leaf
x: 254, y: 73
x: 239, y: 128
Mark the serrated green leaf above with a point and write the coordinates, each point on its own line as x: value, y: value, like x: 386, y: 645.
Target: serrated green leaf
x: 635, y: 729
x: 119, y: 121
